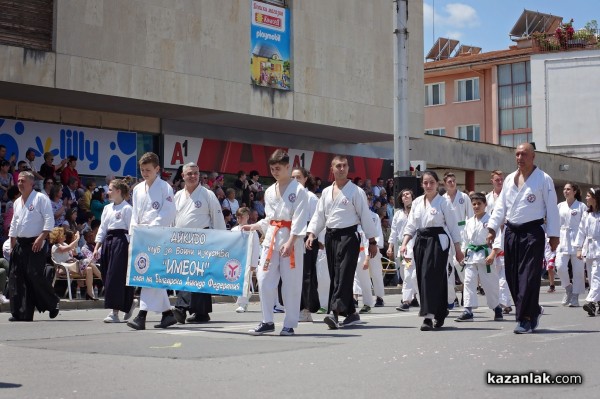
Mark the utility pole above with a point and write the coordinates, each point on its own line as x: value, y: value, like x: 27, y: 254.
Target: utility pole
x: 402, y: 174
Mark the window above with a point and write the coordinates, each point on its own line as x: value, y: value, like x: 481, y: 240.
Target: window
x: 467, y: 89
x: 514, y: 103
x: 435, y: 94
x: 469, y: 132
x: 436, y: 132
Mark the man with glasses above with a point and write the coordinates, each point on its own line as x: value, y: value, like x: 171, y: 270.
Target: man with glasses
x: 48, y: 169
x: 48, y: 184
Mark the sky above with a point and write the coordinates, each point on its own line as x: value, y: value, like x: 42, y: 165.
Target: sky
x: 487, y: 23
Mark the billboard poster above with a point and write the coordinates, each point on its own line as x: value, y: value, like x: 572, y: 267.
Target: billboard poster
x: 99, y: 152
x: 270, y: 58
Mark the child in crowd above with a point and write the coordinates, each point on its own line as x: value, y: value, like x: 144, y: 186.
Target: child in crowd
x: 478, y: 262
x: 243, y: 214
x: 112, y: 241
x: 153, y: 205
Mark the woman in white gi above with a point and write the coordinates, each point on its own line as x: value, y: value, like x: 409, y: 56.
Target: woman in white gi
x: 368, y: 271
x: 284, y: 228
x: 153, y: 205
x: 588, y: 245
x: 112, y: 248
x: 433, y: 224
x: 478, y: 262
x: 570, y: 212
x: 404, y: 261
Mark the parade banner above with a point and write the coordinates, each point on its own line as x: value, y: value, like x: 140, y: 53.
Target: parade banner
x: 99, y: 152
x: 270, y: 62
x: 184, y: 259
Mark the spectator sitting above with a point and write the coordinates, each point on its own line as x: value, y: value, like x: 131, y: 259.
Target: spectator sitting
x: 48, y: 169
x: 70, y: 171
x: 242, y: 187
x: 259, y: 204
x: 253, y: 218
x: 220, y: 194
x: 6, y: 180
x: 228, y: 216
x: 70, y: 193
x: 86, y: 198
x: 71, y: 219
x: 98, y: 202
x: 48, y: 184
x: 211, y: 179
x: 58, y: 206
x: 318, y: 184
x: 12, y: 194
x: 254, y: 184
x: 230, y: 202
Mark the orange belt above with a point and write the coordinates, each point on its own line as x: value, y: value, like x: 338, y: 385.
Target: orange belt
x: 501, y: 253
x: 279, y: 224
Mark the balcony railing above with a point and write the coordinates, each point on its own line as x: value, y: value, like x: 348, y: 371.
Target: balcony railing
x: 548, y: 42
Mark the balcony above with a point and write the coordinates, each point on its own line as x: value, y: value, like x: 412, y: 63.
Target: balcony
x: 577, y: 40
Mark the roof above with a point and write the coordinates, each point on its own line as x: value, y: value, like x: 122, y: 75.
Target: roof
x: 533, y: 21
x: 481, y: 58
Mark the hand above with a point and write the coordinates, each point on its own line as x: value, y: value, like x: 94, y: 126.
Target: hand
x: 373, y: 250
x: 366, y: 265
x: 554, y: 241
x: 490, y: 259
x: 403, y: 250
x: 390, y: 251
x: 38, y: 244
x: 96, y: 255
x: 491, y: 237
x: 459, y: 256
x: 309, y: 241
x: 247, y: 227
x: 286, y: 249
x: 579, y: 255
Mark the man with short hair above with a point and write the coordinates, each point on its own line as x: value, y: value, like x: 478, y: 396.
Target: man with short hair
x: 341, y: 208
x: 528, y: 196
x: 32, y: 221
x: 33, y: 167
x: 70, y: 192
x: 378, y: 187
x: 197, y: 207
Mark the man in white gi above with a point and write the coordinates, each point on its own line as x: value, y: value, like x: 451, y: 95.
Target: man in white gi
x: 463, y: 210
x: 284, y: 228
x: 153, y: 205
x: 528, y: 196
x: 32, y: 221
x: 197, y: 207
x: 341, y: 208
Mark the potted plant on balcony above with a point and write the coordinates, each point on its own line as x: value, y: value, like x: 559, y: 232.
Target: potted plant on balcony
x: 564, y: 33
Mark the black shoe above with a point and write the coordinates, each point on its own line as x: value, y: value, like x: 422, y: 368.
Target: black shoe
x: 599, y: 308
x: 332, y: 322
x: 54, y: 312
x: 355, y: 303
x: 166, y: 321
x: 427, y: 325
x: 263, y: 328
x: 590, y: 308
x: 198, y: 319
x: 351, y: 320
x: 480, y: 290
x: 464, y: 316
x: 13, y: 318
x: 379, y: 302
x: 138, y: 323
x: 498, y: 314
x: 438, y: 323
x: 403, y: 307
x: 414, y: 303
x: 179, y: 315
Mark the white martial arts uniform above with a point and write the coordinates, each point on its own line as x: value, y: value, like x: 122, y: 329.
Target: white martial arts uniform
x: 404, y: 262
x: 462, y: 210
x: 153, y: 206
x: 252, y: 261
x: 570, y: 218
x: 588, y: 239
x: 323, y: 278
x: 504, y: 292
x: 200, y: 209
x: 362, y: 280
x: 476, y: 250
x: 375, y: 266
x: 290, y: 207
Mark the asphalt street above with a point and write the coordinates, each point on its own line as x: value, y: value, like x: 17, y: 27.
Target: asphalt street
x: 387, y: 356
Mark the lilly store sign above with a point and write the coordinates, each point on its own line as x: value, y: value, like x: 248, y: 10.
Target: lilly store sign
x: 99, y: 152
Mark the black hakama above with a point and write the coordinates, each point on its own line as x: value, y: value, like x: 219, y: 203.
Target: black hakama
x: 342, y: 247
x: 432, y: 277
x: 113, y: 265
x: 194, y: 302
x: 28, y: 287
x: 524, y: 246
x: 310, y: 295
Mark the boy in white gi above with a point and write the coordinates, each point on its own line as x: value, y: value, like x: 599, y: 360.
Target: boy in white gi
x: 478, y: 262
x: 282, y: 255
x: 242, y: 215
x: 153, y: 205
x: 368, y: 268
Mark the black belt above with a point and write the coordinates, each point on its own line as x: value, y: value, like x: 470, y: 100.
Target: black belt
x: 524, y: 226
x: 26, y: 240
x: 430, y: 231
x: 117, y: 232
x: 341, y: 232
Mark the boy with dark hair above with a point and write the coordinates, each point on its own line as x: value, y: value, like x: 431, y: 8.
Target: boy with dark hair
x: 153, y: 205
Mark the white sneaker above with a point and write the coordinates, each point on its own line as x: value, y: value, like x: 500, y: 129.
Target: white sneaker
x: 241, y: 309
x: 3, y: 300
x: 305, y: 316
x: 130, y: 313
x: 112, y: 318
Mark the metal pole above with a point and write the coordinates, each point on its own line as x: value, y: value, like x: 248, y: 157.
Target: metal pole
x: 401, y: 140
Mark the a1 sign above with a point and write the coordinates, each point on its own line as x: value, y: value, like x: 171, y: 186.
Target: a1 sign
x: 300, y: 158
x: 179, y: 150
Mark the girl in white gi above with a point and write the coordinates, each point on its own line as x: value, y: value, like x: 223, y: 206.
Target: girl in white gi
x: 153, y: 205
x: 433, y: 223
x: 368, y: 270
x: 588, y: 245
x: 570, y: 212
x: 112, y: 248
x: 462, y: 210
x: 407, y: 266
x: 242, y: 215
x: 478, y: 262
x: 284, y: 228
